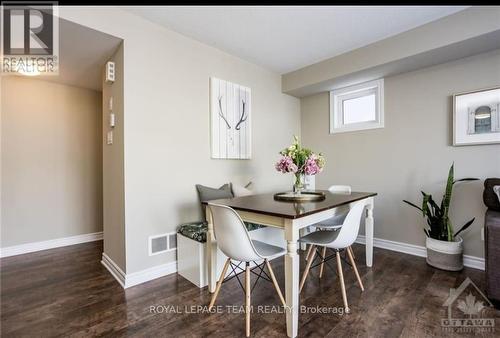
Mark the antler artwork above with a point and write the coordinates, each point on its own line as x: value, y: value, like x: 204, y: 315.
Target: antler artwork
x: 221, y: 114
x: 243, y: 116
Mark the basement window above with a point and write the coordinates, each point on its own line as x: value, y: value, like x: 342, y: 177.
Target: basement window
x: 357, y: 107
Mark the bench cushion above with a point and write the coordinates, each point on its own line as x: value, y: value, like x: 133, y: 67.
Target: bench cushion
x: 198, y: 230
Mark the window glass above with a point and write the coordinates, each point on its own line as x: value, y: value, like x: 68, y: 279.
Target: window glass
x: 359, y: 109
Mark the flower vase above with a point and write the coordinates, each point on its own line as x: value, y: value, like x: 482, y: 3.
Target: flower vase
x: 298, y: 184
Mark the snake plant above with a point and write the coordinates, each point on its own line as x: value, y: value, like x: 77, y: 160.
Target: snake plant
x: 440, y: 226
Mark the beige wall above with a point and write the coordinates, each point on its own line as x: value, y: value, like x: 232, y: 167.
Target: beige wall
x: 413, y: 152
x: 167, y: 135
x: 113, y: 167
x: 449, y: 38
x: 51, y: 161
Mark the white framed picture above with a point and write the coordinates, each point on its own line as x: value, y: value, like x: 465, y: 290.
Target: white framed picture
x: 230, y: 115
x: 476, y: 117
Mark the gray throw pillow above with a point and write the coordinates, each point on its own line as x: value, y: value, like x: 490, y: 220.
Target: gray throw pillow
x: 208, y: 194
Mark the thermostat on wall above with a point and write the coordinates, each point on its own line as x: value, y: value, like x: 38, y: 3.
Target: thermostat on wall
x: 110, y: 71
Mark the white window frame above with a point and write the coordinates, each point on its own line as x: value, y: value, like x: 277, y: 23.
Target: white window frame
x: 338, y: 96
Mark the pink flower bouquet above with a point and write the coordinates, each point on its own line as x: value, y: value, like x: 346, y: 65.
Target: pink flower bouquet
x: 299, y: 161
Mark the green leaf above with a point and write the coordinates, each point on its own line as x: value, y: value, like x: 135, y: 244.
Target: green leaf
x: 448, y: 191
x: 436, y: 211
x: 464, y: 227
x: 413, y: 205
x: 466, y: 179
x: 449, y: 227
x: 425, y: 204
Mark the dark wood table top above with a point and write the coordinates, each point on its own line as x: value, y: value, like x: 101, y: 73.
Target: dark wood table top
x: 267, y: 205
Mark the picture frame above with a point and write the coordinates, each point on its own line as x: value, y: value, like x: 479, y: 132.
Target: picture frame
x: 476, y: 117
x: 230, y: 116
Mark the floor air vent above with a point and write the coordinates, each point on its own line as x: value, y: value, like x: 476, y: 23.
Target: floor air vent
x: 162, y: 243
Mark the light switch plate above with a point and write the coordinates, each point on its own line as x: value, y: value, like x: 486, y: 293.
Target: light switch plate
x: 109, y: 138
x: 110, y: 72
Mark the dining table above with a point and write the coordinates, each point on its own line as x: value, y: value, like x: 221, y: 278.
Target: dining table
x: 293, y: 218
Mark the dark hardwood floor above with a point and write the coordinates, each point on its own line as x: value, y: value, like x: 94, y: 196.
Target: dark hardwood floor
x: 67, y: 292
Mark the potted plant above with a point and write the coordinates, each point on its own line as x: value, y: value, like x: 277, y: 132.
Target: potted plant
x: 444, y: 246
x: 299, y: 161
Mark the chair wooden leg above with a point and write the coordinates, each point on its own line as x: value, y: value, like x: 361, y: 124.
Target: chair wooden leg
x: 342, y: 285
x: 353, y: 263
x: 352, y: 252
x: 308, y: 267
x: 247, y: 299
x: 322, y: 265
x: 308, y: 252
x: 275, y: 282
x: 219, y: 284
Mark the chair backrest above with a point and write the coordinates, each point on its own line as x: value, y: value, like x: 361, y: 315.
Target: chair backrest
x: 342, y: 189
x: 231, y: 234
x: 350, y: 228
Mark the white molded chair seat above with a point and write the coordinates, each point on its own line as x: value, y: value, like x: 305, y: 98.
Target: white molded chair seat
x: 336, y: 221
x: 235, y: 242
x: 333, y: 223
x: 320, y: 238
x: 267, y: 251
x: 337, y: 240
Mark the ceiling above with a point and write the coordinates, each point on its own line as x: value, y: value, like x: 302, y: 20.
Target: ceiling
x: 83, y: 53
x: 284, y: 39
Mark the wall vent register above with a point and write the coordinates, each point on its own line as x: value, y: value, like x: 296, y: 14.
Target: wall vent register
x: 162, y: 243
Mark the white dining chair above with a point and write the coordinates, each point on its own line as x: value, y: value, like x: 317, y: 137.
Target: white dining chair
x: 334, y: 223
x: 338, y: 241
x: 234, y: 241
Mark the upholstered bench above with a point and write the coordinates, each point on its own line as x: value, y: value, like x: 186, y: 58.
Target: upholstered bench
x: 192, y: 260
x: 191, y: 251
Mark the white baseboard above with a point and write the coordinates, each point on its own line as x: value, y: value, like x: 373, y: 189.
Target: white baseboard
x: 50, y: 244
x: 417, y: 250
x: 474, y: 262
x: 139, y: 277
x: 113, y: 269
x: 146, y: 275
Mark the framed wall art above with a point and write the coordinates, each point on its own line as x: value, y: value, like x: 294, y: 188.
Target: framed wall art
x: 476, y: 118
x: 230, y: 111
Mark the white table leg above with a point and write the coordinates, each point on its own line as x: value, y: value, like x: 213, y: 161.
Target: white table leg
x: 211, y: 253
x: 302, y: 233
x: 291, y: 280
x: 369, y: 233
